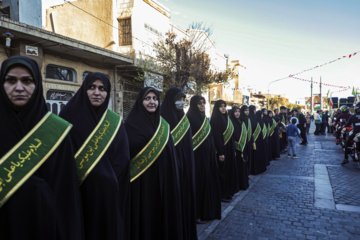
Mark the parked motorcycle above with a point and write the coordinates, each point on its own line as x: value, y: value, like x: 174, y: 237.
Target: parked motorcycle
x: 355, y: 149
x: 345, y: 133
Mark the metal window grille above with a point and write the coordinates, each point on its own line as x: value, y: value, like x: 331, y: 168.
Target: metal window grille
x: 125, y: 34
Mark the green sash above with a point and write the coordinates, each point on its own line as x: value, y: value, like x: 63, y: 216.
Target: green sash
x: 264, y: 131
x: 18, y: 164
x: 148, y: 155
x: 96, y: 144
x: 180, y: 130
x: 273, y: 126
x: 240, y: 145
x: 249, y: 130
x: 228, y: 131
x: 268, y: 130
x: 201, y: 134
x: 257, y: 132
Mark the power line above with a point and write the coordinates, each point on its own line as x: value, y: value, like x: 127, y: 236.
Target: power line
x: 104, y: 21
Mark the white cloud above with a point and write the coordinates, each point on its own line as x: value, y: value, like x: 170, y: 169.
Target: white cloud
x: 185, y: 16
x: 176, y: 13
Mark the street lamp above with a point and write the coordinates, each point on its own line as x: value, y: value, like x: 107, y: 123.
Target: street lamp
x: 8, y: 36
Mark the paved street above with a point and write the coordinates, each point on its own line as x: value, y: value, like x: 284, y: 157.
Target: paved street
x: 312, y: 197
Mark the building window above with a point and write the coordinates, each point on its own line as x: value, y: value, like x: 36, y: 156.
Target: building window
x: 125, y: 36
x: 60, y: 73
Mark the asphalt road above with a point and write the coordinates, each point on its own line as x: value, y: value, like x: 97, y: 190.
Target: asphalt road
x: 312, y: 197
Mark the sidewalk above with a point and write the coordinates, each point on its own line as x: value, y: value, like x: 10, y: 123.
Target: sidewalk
x: 313, y: 197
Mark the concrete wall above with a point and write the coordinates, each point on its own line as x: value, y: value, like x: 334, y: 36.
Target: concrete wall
x: 70, y: 21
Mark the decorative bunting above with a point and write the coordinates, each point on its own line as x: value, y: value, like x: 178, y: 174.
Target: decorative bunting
x: 310, y: 69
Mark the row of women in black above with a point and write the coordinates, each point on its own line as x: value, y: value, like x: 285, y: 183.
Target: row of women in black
x: 181, y: 186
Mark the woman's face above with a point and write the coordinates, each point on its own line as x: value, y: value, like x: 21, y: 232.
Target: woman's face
x: 97, y: 93
x: 222, y: 108
x: 265, y: 112
x: 151, y: 102
x: 237, y: 113
x: 201, y: 105
x: 247, y: 111
x: 19, y: 85
x: 270, y: 114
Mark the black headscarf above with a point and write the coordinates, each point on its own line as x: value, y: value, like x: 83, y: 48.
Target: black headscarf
x: 232, y: 115
x: 155, y: 196
x: 252, y: 117
x: 168, y: 108
x: 195, y: 116
x: 20, y: 121
x: 243, y: 117
x: 80, y: 112
x: 47, y: 205
x: 110, y: 178
x: 218, y: 118
x: 236, y: 122
x: 218, y: 123
x: 259, y: 119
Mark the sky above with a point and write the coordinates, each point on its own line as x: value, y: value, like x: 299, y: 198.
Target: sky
x: 276, y: 38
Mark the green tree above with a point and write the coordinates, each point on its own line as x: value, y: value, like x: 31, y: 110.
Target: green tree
x: 184, y: 64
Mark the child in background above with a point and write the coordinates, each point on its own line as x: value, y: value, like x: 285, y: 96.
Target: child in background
x: 292, y: 131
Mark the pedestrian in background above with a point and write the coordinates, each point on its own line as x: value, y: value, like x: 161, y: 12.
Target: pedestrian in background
x: 308, y: 122
x: 317, y: 118
x: 292, y: 131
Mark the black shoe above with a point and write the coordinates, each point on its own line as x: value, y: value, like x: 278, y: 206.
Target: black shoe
x: 199, y: 221
x: 345, y: 161
x: 225, y: 200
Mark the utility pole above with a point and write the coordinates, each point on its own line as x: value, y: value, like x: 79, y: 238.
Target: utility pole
x: 321, y: 106
x: 312, y: 100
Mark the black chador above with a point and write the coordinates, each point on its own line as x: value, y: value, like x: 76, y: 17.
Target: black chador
x: 47, y: 205
x: 173, y: 113
x: 258, y: 161
x: 208, y: 205
x: 155, y: 194
x: 267, y: 125
x: 105, y: 191
x: 241, y: 138
x: 274, y: 136
x: 227, y: 168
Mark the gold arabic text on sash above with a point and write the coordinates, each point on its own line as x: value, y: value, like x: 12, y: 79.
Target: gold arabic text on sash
x: 180, y: 130
x: 264, y: 131
x: 249, y: 130
x: 257, y: 132
x: 228, y: 131
x: 96, y: 144
x: 17, y: 165
x: 148, y: 155
x: 201, y: 134
x: 273, y: 126
x: 240, y: 145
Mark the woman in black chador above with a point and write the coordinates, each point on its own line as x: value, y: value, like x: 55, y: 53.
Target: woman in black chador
x: 258, y: 161
x: 229, y: 183
x: 267, y: 124
x: 208, y: 204
x: 105, y: 191
x: 172, y: 111
x: 274, y: 136
x: 238, y: 120
x: 47, y: 205
x: 155, y: 193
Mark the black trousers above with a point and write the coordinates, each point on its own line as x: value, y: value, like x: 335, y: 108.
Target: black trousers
x: 303, y: 134
x: 317, y: 130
